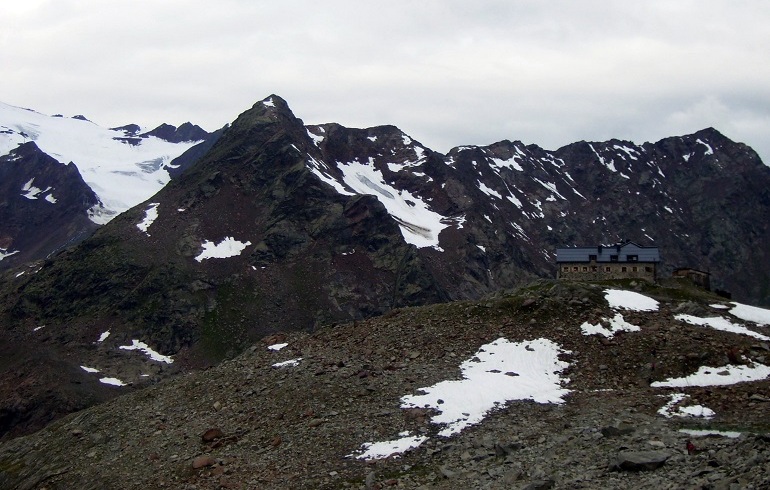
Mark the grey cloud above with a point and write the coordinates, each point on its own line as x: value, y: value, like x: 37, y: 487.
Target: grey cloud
x: 447, y: 72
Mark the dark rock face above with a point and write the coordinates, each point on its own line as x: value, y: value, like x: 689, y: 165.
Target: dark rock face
x: 314, y: 249
x: 45, y: 206
x: 188, y: 158
x: 172, y: 134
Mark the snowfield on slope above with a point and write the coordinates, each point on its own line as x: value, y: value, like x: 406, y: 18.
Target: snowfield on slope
x: 419, y: 225
x: 121, y: 174
x: 501, y: 371
x: 150, y: 215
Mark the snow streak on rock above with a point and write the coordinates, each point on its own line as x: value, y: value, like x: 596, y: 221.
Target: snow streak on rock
x: 616, y: 324
x: 419, y: 225
x: 720, y: 323
x: 717, y: 376
x: 141, y: 346
x: 674, y: 408
x: 150, y: 215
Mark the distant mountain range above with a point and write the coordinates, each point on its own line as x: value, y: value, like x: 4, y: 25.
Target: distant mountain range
x: 273, y: 225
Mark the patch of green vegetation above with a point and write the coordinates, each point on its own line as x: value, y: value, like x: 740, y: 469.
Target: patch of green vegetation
x: 225, y: 331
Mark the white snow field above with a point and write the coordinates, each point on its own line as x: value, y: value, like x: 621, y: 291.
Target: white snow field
x: 121, y: 174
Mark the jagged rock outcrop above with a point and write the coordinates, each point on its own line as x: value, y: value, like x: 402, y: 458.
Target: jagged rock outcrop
x: 173, y: 134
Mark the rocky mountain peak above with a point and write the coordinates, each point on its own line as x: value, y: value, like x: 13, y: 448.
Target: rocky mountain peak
x: 184, y: 133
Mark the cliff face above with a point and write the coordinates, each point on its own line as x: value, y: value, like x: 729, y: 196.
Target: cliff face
x: 281, y: 226
x: 45, y: 206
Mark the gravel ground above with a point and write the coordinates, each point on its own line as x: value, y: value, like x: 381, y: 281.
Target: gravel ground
x: 246, y: 424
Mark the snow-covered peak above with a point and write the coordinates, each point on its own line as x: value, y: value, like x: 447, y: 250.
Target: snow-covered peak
x: 122, y: 174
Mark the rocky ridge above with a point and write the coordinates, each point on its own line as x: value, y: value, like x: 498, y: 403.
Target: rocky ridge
x: 39, y: 191
x: 249, y: 424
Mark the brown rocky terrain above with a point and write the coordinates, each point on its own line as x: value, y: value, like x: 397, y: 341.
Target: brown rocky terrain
x: 339, y: 225
x: 247, y: 424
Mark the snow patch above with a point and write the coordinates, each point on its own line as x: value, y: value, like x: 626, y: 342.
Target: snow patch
x: 628, y: 151
x: 760, y: 316
x: 112, y: 381
x: 89, y: 369
x: 629, y: 300
x: 277, y: 347
x: 4, y: 253
x: 709, y: 150
x: 499, y: 372
x: 316, y: 138
x: 512, y: 162
x: 383, y: 449
x: 550, y: 186
x: 31, y: 192
x: 617, y: 324
x: 320, y: 170
x: 488, y: 191
x: 103, y: 336
x: 150, y: 215
x: 228, y: 247
x: 671, y: 409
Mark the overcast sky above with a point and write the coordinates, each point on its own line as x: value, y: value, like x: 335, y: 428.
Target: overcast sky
x: 448, y: 73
